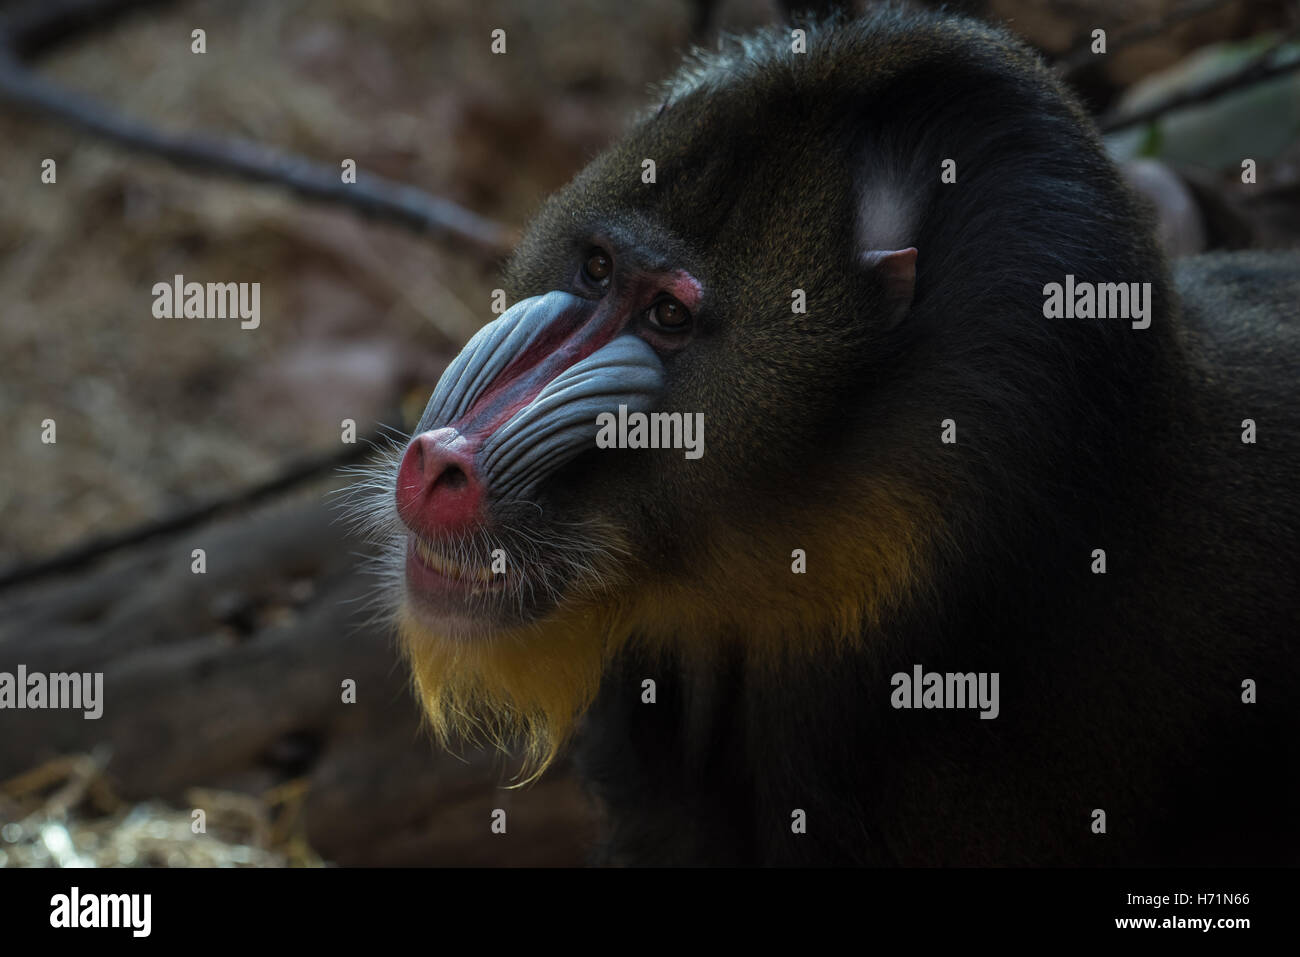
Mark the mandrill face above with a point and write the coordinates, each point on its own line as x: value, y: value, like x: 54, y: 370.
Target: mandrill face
x: 558, y: 497
x: 497, y: 533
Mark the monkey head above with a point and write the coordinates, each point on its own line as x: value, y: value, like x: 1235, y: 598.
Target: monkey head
x: 746, y: 258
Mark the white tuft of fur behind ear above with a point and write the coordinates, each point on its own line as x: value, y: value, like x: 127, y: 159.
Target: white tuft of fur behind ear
x: 886, y: 226
x: 885, y: 218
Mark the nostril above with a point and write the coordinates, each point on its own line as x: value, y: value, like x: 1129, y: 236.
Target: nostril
x: 438, y: 489
x: 453, y: 478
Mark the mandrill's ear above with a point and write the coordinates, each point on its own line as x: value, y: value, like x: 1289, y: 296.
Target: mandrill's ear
x: 886, y: 226
x: 896, y: 271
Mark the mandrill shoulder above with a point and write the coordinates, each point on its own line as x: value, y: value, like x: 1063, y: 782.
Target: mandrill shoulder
x: 1239, y: 333
x: 1243, y: 308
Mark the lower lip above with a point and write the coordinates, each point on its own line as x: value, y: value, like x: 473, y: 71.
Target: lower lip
x: 427, y: 582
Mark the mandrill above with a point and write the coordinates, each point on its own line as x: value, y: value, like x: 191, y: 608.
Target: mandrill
x: 839, y: 261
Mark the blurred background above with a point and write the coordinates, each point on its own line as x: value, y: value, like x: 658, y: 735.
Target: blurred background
x: 223, y: 691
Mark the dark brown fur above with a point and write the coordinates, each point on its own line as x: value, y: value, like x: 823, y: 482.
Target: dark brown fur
x: 1120, y: 691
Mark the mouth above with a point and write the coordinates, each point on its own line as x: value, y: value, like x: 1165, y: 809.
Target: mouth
x: 437, y: 578
x: 453, y: 592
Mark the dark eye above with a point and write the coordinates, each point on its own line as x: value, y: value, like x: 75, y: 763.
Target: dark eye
x: 598, y: 266
x: 669, y: 314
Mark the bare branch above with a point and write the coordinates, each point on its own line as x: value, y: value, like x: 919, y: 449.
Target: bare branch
x: 370, y: 195
x: 1257, y: 70
x: 293, y: 475
x: 1083, y: 56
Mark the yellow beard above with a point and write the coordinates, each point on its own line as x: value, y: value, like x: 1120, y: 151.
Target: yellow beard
x: 530, y: 685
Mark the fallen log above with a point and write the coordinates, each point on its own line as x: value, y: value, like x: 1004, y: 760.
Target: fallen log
x: 233, y: 680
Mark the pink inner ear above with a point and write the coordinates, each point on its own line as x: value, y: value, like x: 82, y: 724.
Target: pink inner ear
x: 897, y: 271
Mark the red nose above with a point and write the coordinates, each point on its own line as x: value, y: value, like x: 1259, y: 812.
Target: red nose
x: 438, y: 489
